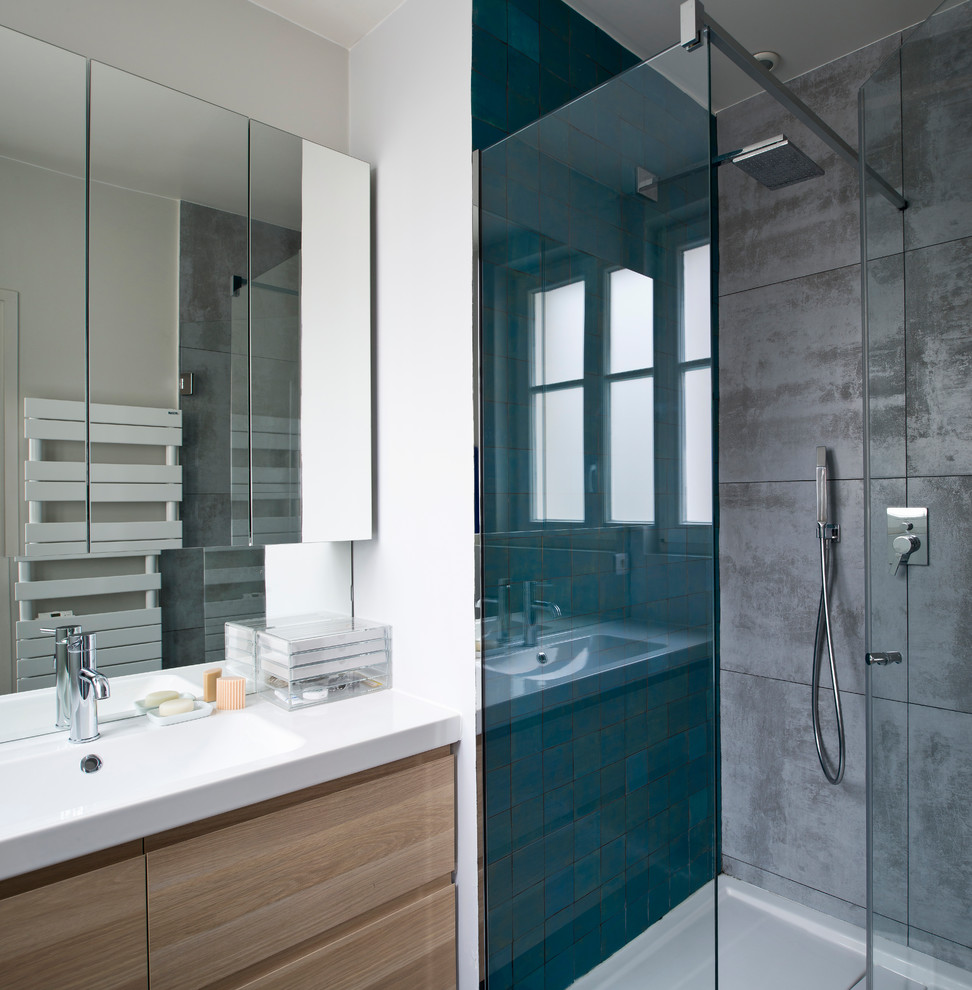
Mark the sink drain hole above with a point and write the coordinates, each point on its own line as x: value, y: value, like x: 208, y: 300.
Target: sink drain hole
x: 90, y: 763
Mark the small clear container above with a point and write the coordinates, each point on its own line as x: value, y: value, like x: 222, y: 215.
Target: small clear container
x: 319, y: 659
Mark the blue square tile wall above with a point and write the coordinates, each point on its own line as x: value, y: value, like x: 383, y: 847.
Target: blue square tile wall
x: 531, y: 57
x: 600, y: 765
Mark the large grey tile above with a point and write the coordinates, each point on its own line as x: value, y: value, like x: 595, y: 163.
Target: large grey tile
x: 770, y: 235
x: 808, y: 896
x: 881, y: 150
x: 940, y: 826
x: 206, y: 520
x: 886, y: 366
x: 939, y: 618
x: 182, y: 588
x: 212, y: 249
x: 790, y: 378
x: 939, y: 373
x: 889, y: 809
x: 769, y: 578
x: 936, y: 68
x: 888, y: 617
x: 206, y: 422
x: 778, y: 811
x: 181, y: 647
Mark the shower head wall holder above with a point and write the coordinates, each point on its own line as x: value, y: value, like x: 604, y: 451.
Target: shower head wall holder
x: 696, y: 26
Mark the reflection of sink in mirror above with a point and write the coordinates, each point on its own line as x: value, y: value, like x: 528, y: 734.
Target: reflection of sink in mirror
x: 135, y: 756
x: 572, y: 657
x: 32, y: 713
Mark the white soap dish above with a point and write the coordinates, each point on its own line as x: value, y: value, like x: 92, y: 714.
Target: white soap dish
x: 142, y: 709
x: 201, y: 710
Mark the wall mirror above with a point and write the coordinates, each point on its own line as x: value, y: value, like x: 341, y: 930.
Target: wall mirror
x: 172, y: 275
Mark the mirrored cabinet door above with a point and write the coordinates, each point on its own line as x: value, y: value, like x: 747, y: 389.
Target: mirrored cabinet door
x: 275, y: 321
x: 167, y: 247
x: 42, y: 297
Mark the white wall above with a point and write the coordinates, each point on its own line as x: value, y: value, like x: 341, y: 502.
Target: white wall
x: 234, y: 54
x: 410, y: 117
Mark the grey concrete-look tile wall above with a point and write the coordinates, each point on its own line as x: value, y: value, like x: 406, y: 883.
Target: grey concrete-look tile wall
x: 768, y: 236
x: 939, y: 619
x: 939, y: 358
x: 790, y: 378
x: 940, y: 860
x: 936, y: 120
x: 779, y: 814
x: 770, y: 580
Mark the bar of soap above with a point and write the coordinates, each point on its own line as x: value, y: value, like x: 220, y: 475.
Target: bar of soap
x: 176, y: 706
x: 156, y: 698
x: 230, y: 693
x: 209, y: 682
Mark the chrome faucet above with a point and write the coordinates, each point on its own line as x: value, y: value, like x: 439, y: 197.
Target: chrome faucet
x: 531, y: 609
x: 88, y: 687
x: 61, y: 679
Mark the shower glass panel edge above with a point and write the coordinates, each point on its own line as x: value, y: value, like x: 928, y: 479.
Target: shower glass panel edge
x: 598, y: 644
x: 915, y: 111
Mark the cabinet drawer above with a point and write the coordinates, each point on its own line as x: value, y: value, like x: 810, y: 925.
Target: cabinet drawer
x: 226, y: 899
x: 84, y: 931
x: 413, y: 948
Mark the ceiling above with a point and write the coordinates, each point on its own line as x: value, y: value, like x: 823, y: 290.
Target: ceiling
x: 806, y: 34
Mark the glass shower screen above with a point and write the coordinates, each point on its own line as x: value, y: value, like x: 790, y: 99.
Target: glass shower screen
x: 597, y: 531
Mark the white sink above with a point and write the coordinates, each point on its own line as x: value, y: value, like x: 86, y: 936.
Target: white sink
x: 157, y: 777
x: 137, y: 758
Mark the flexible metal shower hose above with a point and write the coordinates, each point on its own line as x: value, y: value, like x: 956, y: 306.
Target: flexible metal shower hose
x: 823, y: 618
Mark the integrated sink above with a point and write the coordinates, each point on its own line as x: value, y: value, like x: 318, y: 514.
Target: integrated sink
x: 578, y: 656
x: 136, y: 759
x: 155, y: 777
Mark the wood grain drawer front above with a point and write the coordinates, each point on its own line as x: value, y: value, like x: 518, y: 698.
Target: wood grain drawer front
x: 413, y: 948
x: 87, y: 931
x: 225, y: 900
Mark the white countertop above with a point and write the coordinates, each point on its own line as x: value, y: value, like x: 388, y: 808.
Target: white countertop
x: 158, y: 777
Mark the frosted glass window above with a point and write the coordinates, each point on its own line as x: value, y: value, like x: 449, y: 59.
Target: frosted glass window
x: 632, y: 315
x: 632, y: 450
x: 697, y: 445
x: 558, y: 334
x: 558, y: 437
x: 696, y: 304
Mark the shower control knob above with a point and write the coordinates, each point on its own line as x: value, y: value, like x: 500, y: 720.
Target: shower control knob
x: 903, y: 547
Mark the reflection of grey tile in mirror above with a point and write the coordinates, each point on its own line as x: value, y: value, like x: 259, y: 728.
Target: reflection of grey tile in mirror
x: 275, y: 311
x: 42, y: 242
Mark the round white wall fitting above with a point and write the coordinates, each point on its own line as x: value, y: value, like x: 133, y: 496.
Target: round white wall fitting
x: 769, y: 60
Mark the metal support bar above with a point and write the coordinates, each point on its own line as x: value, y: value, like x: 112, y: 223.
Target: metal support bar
x: 694, y: 19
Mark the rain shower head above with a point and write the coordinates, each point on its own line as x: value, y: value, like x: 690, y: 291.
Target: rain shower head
x: 776, y: 163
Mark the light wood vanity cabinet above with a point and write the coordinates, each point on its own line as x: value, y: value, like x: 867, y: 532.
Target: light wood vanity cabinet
x: 347, y: 885
x: 80, y: 924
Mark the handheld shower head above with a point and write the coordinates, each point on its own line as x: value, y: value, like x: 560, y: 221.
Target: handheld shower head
x: 823, y: 506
